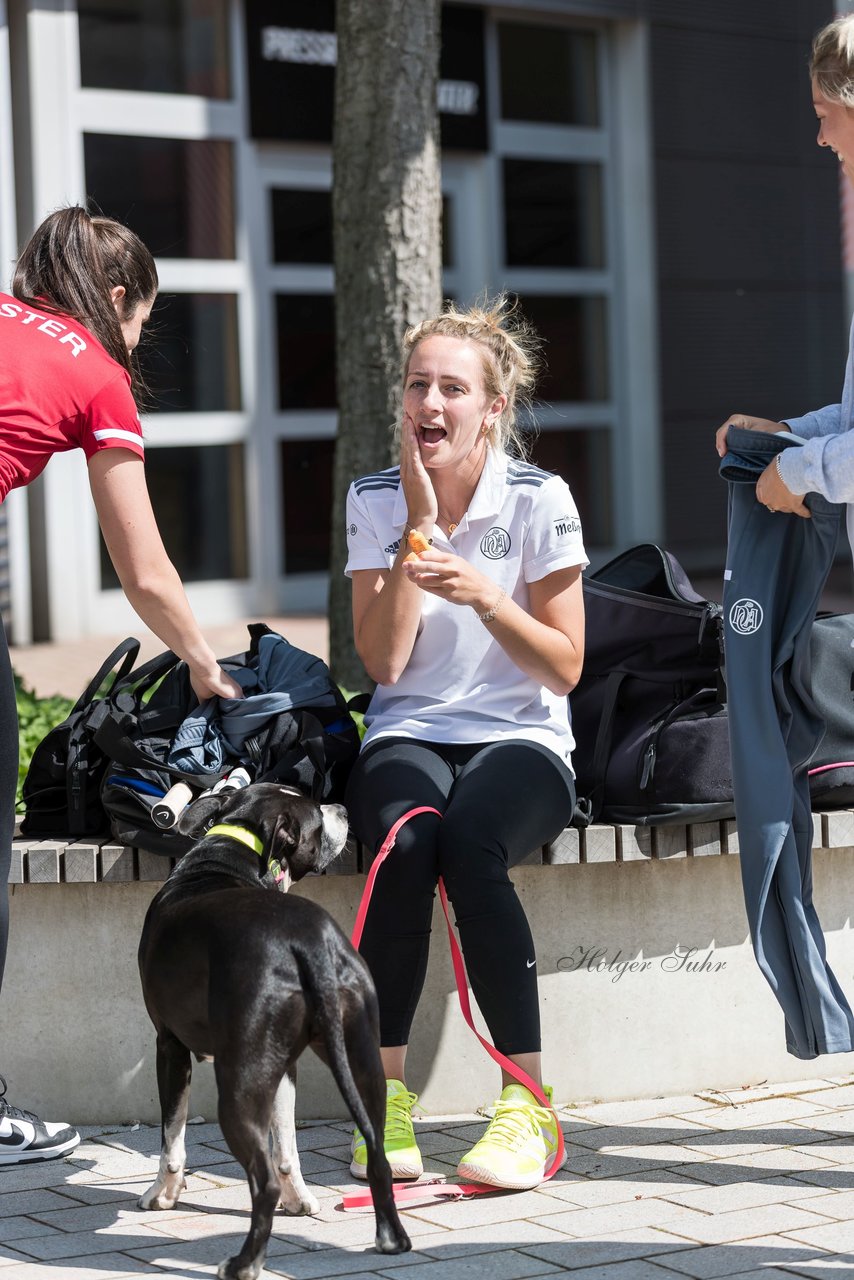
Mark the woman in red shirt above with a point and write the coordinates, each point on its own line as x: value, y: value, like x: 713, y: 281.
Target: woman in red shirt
x: 82, y: 290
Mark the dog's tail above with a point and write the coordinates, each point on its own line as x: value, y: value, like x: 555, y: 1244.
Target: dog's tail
x: 330, y: 990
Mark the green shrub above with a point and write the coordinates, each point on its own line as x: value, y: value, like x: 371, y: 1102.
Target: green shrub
x: 36, y: 717
x: 357, y: 715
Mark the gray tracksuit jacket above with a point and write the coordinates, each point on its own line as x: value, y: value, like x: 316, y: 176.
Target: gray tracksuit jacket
x: 776, y: 568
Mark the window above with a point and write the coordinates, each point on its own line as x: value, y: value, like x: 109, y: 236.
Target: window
x: 556, y: 162
x: 549, y: 75
x: 302, y: 225
x: 305, y: 327
x: 155, y: 46
x: 176, y: 194
x: 189, y: 353
x: 575, y: 346
x: 583, y: 458
x: 306, y: 502
x: 198, y: 499
x: 553, y: 214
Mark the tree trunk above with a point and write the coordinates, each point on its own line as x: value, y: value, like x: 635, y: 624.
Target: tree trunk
x: 387, y: 244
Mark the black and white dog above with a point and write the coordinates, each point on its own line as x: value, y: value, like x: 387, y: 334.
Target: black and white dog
x: 249, y: 979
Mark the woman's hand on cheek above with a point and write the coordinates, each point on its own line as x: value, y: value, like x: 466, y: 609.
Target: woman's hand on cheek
x: 421, y: 503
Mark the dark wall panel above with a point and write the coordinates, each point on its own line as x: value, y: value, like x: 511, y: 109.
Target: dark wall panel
x: 722, y: 354
x: 748, y: 239
x: 727, y: 92
x: 737, y: 224
x: 781, y: 18
x: 696, y: 496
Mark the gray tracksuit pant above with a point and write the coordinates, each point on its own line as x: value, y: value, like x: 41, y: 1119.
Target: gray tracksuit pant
x: 777, y: 565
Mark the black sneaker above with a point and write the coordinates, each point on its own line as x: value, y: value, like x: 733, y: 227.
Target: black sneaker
x: 23, y: 1137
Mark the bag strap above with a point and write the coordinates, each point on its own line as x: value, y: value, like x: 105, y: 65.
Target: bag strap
x: 126, y: 653
x: 604, y: 740
x: 256, y: 631
x: 311, y: 737
x: 138, y: 682
x: 85, y: 728
x: 115, y: 738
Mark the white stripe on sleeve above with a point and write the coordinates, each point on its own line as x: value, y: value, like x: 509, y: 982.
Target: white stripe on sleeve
x: 114, y: 433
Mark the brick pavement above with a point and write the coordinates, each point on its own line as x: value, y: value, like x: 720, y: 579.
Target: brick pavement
x: 756, y: 1183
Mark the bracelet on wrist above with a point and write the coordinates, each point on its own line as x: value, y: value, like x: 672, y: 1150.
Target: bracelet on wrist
x: 490, y: 613
x: 407, y: 529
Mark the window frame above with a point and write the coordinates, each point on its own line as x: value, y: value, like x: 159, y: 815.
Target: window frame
x: 79, y: 606
x: 621, y: 144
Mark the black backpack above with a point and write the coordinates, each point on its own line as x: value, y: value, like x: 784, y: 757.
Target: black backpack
x: 648, y: 713
x: 831, y: 770
x: 312, y: 747
x: 62, y: 789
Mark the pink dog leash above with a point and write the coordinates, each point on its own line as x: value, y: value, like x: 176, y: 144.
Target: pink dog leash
x: 439, y: 1188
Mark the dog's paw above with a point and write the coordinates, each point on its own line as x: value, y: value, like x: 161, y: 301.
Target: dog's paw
x: 299, y: 1202
x: 163, y: 1197
x: 230, y: 1269
x: 391, y: 1238
x: 149, y: 1201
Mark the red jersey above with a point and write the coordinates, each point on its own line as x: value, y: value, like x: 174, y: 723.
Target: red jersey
x: 59, y: 390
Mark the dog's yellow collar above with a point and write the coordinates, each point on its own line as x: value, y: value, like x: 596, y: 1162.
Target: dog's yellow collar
x: 237, y: 833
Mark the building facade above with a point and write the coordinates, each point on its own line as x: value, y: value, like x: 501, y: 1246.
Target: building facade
x: 642, y: 173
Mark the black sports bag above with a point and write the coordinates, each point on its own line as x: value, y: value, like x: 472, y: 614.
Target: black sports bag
x: 311, y: 747
x: 831, y: 770
x: 648, y: 713
x: 62, y: 789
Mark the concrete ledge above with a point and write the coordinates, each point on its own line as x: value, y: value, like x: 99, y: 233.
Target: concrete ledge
x: 95, y: 860
x: 648, y: 984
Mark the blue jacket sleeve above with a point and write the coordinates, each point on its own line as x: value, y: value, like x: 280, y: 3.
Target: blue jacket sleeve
x: 825, y: 464
x: 820, y: 422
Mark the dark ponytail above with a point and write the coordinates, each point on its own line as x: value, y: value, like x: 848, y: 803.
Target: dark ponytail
x: 70, y: 265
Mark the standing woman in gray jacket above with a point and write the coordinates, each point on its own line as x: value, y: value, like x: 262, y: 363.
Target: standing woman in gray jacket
x: 775, y: 573
x: 825, y: 464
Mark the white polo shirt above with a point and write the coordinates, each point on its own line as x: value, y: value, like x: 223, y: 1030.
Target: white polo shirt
x: 459, y: 685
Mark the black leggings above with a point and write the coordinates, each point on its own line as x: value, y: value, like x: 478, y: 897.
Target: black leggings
x: 500, y: 801
x: 8, y: 786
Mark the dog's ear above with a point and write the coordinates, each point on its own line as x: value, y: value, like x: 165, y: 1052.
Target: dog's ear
x: 295, y: 840
x: 196, y: 818
x: 285, y: 834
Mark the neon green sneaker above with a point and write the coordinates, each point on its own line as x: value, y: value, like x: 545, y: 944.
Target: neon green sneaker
x: 399, y: 1140
x: 518, y: 1145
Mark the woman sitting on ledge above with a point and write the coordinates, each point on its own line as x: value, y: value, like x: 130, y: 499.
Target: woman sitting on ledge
x: 474, y: 648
